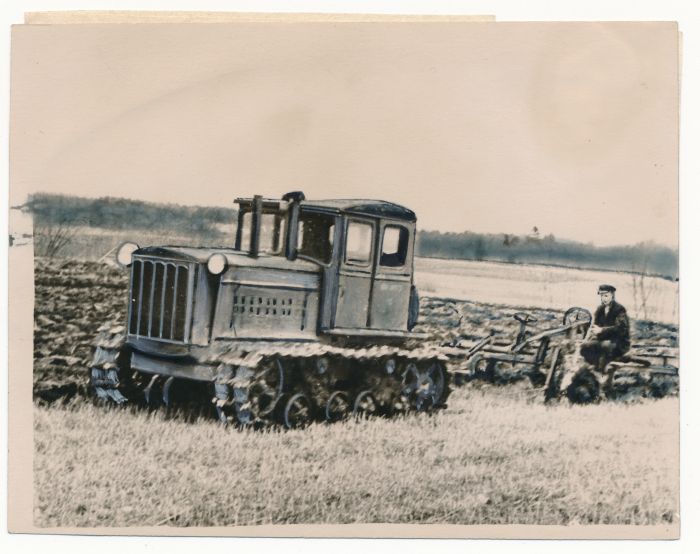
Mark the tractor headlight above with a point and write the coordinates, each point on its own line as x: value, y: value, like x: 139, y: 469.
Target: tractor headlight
x: 216, y: 263
x: 125, y: 253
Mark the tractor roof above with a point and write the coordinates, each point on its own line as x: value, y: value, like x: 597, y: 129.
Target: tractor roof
x: 372, y: 208
x: 375, y: 208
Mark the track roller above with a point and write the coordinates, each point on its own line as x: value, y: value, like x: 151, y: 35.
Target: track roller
x: 337, y: 407
x: 298, y: 412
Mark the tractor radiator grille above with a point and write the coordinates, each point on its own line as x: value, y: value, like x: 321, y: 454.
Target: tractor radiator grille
x: 160, y: 304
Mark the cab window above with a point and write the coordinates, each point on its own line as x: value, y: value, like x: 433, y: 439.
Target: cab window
x: 394, y: 246
x: 315, y: 236
x: 271, y: 232
x: 358, y: 243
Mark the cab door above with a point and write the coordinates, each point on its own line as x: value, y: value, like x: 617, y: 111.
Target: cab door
x: 355, y: 274
x: 391, y: 288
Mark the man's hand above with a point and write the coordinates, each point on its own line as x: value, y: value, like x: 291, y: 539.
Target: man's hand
x: 595, y: 329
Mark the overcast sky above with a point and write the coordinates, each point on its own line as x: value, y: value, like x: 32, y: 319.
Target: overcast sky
x: 490, y: 127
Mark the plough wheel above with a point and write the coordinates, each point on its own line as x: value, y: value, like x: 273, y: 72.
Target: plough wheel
x: 576, y: 314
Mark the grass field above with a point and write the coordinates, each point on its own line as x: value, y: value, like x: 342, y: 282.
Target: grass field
x: 492, y: 457
x: 496, y: 455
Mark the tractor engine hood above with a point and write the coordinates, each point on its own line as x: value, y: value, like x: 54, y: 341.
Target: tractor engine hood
x: 177, y: 299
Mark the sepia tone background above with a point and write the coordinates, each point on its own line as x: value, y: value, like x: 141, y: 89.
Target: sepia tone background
x: 492, y: 127
x: 544, y: 139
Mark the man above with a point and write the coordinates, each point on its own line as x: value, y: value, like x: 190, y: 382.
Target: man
x: 609, y: 335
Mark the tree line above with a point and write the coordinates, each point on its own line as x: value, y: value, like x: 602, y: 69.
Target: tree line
x: 644, y: 257
x: 121, y: 213
x: 59, y: 211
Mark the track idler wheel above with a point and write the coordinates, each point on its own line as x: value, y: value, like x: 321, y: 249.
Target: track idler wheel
x: 265, y: 389
x: 337, y: 407
x: 298, y: 412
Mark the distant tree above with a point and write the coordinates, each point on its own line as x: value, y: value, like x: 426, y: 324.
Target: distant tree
x: 479, y: 249
x: 50, y: 240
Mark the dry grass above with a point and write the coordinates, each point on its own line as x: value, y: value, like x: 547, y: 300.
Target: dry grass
x: 94, y: 243
x: 491, y: 457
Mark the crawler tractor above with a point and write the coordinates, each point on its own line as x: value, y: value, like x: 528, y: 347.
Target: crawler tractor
x: 308, y: 316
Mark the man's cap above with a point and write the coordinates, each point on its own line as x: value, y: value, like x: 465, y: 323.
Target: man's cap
x: 605, y: 288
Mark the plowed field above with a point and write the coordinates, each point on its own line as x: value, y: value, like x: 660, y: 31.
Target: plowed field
x: 74, y: 298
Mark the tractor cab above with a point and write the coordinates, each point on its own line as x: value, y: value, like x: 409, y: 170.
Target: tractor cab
x: 362, y: 248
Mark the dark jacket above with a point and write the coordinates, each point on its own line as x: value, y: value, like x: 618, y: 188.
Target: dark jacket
x: 615, y: 325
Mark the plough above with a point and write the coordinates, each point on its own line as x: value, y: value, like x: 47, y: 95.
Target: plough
x: 550, y: 360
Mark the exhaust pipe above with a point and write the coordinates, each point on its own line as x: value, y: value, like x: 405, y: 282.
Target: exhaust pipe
x: 290, y: 250
x: 255, y: 226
